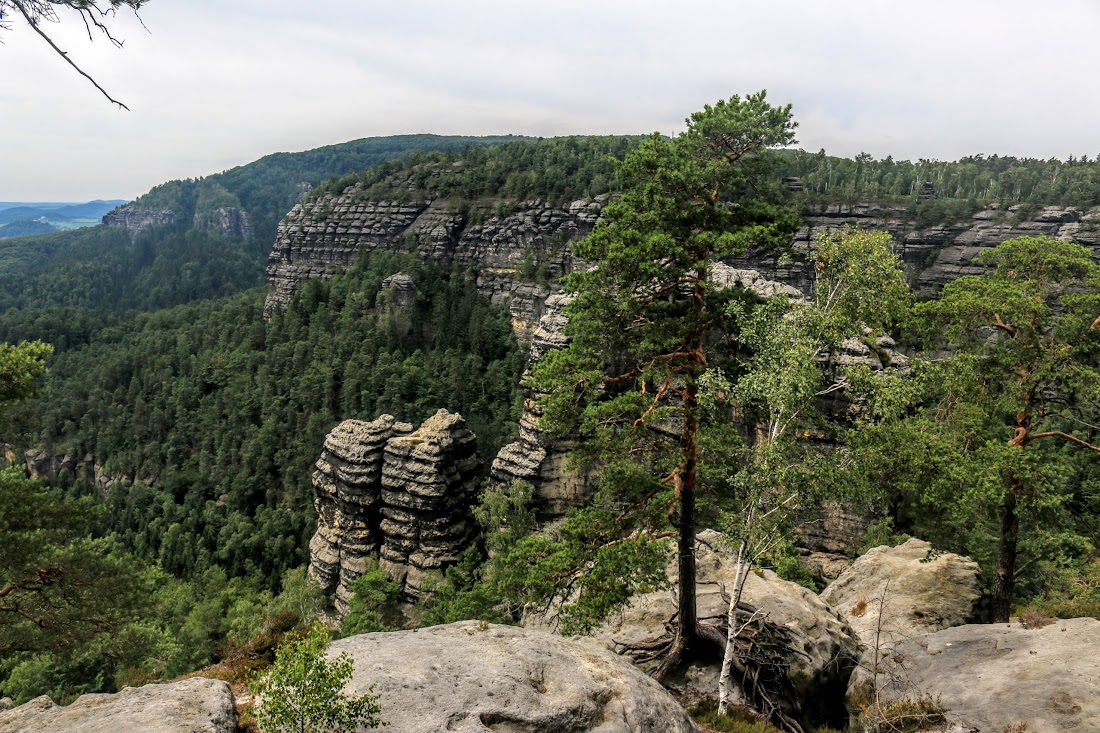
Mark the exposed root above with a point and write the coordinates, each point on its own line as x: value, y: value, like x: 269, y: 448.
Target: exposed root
x: 760, y: 666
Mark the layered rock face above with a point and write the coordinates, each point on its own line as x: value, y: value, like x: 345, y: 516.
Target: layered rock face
x: 228, y: 221
x: 933, y: 255
x: 321, y: 236
x: 196, y: 705
x: 430, y: 480
x: 135, y: 219
x: 470, y: 676
x: 385, y: 493
x: 535, y: 458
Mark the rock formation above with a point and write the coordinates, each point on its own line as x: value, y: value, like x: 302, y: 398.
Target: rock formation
x: 386, y: 493
x: 927, y: 591
x: 196, y: 705
x: 430, y: 480
x: 823, y: 650
x: 228, y: 221
x: 325, y: 234
x: 135, y: 219
x: 471, y: 676
x: 535, y: 458
x: 998, y: 677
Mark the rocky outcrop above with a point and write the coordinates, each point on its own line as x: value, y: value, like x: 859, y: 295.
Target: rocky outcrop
x: 933, y: 255
x: 535, y: 457
x: 8, y: 456
x: 227, y: 221
x: 430, y: 481
x: 330, y: 232
x: 197, y: 705
x: 52, y: 468
x: 347, y: 489
x: 921, y: 590
x: 998, y: 677
x: 823, y: 649
x: 400, y: 288
x: 471, y: 676
x: 136, y: 219
x: 385, y: 493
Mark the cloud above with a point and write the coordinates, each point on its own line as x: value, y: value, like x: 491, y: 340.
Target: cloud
x: 217, y: 83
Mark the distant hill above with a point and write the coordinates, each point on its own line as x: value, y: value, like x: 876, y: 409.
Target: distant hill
x: 184, y: 240
x: 56, y: 215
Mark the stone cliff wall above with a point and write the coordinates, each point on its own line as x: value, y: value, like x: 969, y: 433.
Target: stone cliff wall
x: 385, y: 493
x: 933, y: 255
x: 320, y: 237
x: 135, y: 219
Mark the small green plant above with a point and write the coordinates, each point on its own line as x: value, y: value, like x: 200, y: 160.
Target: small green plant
x: 304, y: 691
x: 375, y: 605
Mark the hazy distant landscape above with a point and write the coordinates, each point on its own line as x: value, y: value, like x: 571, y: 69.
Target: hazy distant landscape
x: 22, y: 219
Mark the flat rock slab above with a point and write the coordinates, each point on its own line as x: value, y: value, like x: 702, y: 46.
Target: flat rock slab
x: 993, y: 677
x: 197, y: 705
x: 470, y: 677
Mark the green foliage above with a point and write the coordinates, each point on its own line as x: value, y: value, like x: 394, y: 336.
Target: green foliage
x: 374, y: 605
x: 304, y: 691
x: 60, y: 588
x: 957, y: 188
x: 991, y: 459
x: 22, y: 368
x: 628, y: 383
x: 554, y: 170
x: 215, y: 416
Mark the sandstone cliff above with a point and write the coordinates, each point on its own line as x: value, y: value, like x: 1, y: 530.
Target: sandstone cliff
x: 385, y: 493
x: 135, y: 219
x: 323, y: 235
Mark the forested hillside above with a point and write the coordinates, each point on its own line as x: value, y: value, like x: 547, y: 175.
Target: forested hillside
x: 174, y: 263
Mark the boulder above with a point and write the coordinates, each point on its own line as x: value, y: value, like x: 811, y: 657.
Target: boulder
x: 471, y: 676
x: 823, y: 651
x: 999, y: 677
x: 196, y: 705
x: 928, y: 591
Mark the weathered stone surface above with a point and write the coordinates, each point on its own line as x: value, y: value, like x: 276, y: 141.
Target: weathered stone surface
x: 196, y: 705
x: 535, y: 458
x: 824, y: 649
x: 385, y: 493
x: 469, y: 677
x: 430, y: 480
x: 996, y: 677
x: 228, y: 221
x: 135, y: 219
x: 347, y: 494
x: 320, y: 236
x: 401, y: 289
x: 927, y: 591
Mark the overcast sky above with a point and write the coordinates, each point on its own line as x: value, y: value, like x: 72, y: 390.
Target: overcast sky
x: 219, y: 83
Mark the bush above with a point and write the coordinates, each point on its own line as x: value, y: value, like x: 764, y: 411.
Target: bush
x: 304, y: 691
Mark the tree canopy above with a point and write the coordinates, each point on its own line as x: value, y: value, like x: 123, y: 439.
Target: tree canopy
x: 643, y: 326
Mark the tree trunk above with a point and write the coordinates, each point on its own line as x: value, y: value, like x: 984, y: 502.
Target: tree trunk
x: 724, y: 692
x: 1004, y: 581
x: 686, y: 546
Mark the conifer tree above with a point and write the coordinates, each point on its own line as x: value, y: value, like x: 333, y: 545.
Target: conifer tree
x: 644, y: 326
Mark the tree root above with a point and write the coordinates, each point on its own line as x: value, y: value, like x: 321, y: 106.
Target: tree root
x: 761, y: 668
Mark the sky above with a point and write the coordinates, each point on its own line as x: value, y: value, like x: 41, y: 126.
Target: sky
x: 212, y: 84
